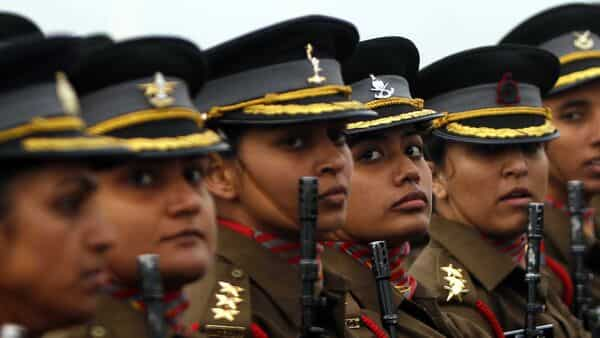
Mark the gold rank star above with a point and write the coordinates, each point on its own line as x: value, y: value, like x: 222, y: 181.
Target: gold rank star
x: 230, y: 289
x: 227, y: 302
x: 452, y: 271
x: 456, y: 284
x: 159, y: 90
x: 225, y: 314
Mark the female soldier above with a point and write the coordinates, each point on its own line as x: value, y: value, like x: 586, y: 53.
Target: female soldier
x: 284, y: 108
x: 572, y: 33
x: 489, y: 163
x: 391, y: 185
x: 137, y: 91
x: 53, y: 241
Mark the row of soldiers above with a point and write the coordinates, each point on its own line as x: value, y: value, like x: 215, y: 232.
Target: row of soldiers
x: 150, y: 189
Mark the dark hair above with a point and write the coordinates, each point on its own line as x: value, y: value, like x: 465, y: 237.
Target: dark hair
x: 435, y: 149
x: 7, y: 174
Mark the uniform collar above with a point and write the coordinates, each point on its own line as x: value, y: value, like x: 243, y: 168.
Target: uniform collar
x: 482, y: 260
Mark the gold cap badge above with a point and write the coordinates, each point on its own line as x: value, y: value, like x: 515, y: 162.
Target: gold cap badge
x: 158, y: 92
x: 66, y: 95
x: 456, y: 283
x: 317, y: 78
x: 583, y: 40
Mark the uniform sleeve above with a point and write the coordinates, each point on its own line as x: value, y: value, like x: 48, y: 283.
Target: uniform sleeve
x: 468, y: 328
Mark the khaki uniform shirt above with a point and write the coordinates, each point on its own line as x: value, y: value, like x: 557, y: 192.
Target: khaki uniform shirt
x: 419, y: 317
x: 557, y: 239
x: 114, y: 319
x: 489, y: 276
x: 270, y: 291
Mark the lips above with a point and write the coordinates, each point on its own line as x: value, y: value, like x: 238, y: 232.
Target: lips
x: 335, y: 196
x: 415, y: 200
x: 95, y: 278
x: 187, y: 233
x: 518, y: 197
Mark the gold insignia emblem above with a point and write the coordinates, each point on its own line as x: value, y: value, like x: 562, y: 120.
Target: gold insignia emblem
x: 230, y: 289
x: 225, y: 301
x: 66, y: 95
x: 158, y: 92
x: 456, y: 283
x: 381, y: 89
x: 317, y: 78
x: 227, y: 314
x: 583, y: 40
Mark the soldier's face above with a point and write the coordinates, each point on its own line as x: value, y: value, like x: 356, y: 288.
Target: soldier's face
x: 271, y: 160
x: 162, y: 207
x: 575, y: 155
x: 53, y: 243
x: 391, y: 187
x: 489, y: 187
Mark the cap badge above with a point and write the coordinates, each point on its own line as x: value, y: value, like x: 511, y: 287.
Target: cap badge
x: 317, y: 78
x: 507, y: 91
x: 66, y: 95
x: 456, y: 283
x: 158, y: 92
x: 380, y: 88
x: 583, y: 40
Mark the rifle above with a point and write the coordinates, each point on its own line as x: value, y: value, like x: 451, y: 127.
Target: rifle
x: 152, y: 294
x: 535, y: 228
x: 579, y: 274
x: 381, y: 270
x: 309, y: 268
x: 12, y: 331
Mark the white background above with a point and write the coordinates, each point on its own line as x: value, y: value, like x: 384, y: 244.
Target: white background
x: 438, y: 27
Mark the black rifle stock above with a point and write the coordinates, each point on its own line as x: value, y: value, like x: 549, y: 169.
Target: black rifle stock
x: 578, y: 272
x: 382, y: 273
x: 152, y: 294
x: 309, y: 268
x: 12, y: 331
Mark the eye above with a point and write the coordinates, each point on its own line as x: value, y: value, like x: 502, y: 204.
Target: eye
x: 295, y: 142
x: 71, y: 204
x: 193, y: 175
x: 414, y: 151
x: 370, y: 155
x: 531, y: 148
x: 338, y: 137
x: 142, y: 178
x: 571, y: 116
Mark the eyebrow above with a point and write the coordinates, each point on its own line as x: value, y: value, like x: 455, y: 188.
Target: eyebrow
x: 574, y: 103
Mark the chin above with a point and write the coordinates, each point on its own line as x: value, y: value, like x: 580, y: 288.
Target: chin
x: 592, y: 185
x: 184, y: 270
x: 331, y: 222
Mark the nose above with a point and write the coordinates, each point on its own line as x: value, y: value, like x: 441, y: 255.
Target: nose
x: 185, y: 198
x: 102, y: 234
x: 332, y: 158
x: 406, y: 172
x: 515, y: 164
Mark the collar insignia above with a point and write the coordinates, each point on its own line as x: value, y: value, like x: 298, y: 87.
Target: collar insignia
x: 583, y: 40
x: 158, y: 92
x: 227, y: 300
x: 317, y: 78
x: 66, y: 95
x: 380, y: 88
x: 456, y: 283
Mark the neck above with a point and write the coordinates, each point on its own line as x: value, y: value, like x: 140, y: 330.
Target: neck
x: 557, y: 190
x: 233, y: 212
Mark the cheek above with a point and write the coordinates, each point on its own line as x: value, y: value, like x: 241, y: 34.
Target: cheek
x: 538, y: 174
x: 366, y: 197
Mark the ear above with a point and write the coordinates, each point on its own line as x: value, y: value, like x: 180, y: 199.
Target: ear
x: 439, y: 183
x: 221, y: 177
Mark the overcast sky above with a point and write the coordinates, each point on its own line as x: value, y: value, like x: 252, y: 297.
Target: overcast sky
x: 438, y: 27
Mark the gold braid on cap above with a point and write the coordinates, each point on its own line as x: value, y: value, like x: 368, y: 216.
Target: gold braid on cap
x: 48, y: 144
x: 43, y: 125
x: 580, y: 55
x: 577, y: 76
x: 390, y: 119
x: 449, y: 120
x: 392, y: 101
x: 143, y: 116
x: 266, y: 105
